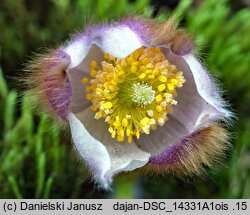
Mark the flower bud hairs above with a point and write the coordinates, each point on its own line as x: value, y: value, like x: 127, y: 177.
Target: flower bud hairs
x: 134, y: 96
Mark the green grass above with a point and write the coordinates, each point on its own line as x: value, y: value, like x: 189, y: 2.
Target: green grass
x: 37, y: 158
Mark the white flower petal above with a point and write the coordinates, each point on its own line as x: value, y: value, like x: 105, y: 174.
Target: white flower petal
x: 206, y: 86
x: 118, y: 41
x: 199, y: 91
x: 163, y: 137
x: 185, y: 114
x: 111, y: 39
x: 77, y: 50
x: 198, y: 104
x: 91, y: 150
x: 105, y: 156
x: 78, y: 99
x: 126, y: 157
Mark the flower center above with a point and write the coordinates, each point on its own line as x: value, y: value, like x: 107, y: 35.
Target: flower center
x: 143, y: 94
x: 133, y: 94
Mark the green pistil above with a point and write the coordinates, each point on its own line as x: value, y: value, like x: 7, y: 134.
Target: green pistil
x: 143, y: 94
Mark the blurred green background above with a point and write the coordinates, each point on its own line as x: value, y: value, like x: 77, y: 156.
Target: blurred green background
x: 36, y: 161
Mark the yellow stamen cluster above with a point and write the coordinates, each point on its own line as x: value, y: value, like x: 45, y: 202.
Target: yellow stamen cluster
x: 133, y: 94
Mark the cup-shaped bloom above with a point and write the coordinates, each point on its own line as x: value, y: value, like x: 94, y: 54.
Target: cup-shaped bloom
x: 135, y: 96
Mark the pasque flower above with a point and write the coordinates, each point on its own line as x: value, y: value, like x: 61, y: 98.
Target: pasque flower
x: 134, y: 95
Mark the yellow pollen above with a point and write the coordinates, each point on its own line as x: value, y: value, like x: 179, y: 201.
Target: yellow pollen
x: 141, y: 76
x: 85, y: 80
x: 161, y: 87
x: 170, y: 87
x: 144, y: 121
x: 155, y: 72
x: 145, y: 61
x: 151, y: 77
x: 107, y: 105
x: 150, y: 113
x: 161, y: 121
x: 158, y: 98
x: 128, y: 132
x: 133, y: 68
x: 93, y: 73
x: 173, y: 102
x: 124, y: 122
x: 163, y: 78
x: 89, y: 96
x: 93, y: 64
x: 133, y: 94
x: 175, y: 82
x: 158, y: 108
x: 129, y: 138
